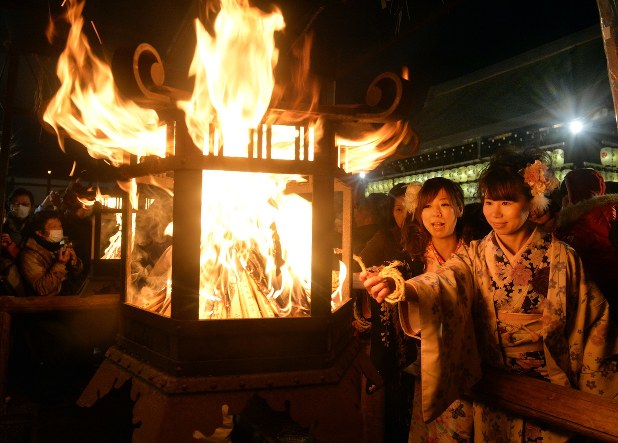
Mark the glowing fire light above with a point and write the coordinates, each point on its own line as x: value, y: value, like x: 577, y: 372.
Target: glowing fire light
x: 112, y: 250
x: 256, y: 239
x: 88, y: 108
x: 233, y: 74
x: 370, y: 148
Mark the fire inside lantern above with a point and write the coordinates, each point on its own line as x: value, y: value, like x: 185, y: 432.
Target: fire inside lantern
x: 255, y: 245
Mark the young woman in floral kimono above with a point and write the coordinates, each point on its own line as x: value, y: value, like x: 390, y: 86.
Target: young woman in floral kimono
x: 437, y: 206
x: 517, y: 299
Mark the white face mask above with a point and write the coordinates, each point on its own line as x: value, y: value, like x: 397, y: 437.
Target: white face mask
x: 55, y: 235
x: 20, y: 211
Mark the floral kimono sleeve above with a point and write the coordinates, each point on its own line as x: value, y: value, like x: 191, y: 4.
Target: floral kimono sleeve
x: 585, y: 327
x: 449, y: 357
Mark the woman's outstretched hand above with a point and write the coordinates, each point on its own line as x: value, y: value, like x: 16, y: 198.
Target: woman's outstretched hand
x: 376, y: 285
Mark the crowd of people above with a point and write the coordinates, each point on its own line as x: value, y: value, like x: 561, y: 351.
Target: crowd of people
x: 44, y: 247
x: 45, y: 251
x: 522, y: 280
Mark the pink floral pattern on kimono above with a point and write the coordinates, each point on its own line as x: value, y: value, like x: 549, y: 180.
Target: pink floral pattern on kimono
x: 575, y: 329
x: 454, y: 424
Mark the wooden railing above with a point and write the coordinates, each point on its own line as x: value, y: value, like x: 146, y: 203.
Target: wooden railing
x: 564, y: 408
x: 569, y: 409
x: 10, y: 306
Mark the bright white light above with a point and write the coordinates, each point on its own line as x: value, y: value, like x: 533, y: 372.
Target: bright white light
x: 362, y: 174
x: 576, y: 126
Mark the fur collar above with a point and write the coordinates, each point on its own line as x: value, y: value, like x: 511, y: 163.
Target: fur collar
x: 571, y: 214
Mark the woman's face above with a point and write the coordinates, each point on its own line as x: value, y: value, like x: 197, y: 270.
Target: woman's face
x: 399, y: 211
x: 506, y: 217
x: 52, y: 231
x: 440, y: 216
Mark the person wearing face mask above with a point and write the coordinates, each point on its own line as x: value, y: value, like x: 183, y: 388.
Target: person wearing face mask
x: 76, y: 215
x: 15, y: 228
x: 47, y: 264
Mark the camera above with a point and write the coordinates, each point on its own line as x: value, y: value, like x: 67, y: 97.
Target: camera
x: 66, y: 243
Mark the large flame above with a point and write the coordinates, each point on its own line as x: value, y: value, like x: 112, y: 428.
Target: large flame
x: 260, y: 250
x: 256, y: 238
x: 233, y: 74
x: 88, y: 107
x: 367, y: 150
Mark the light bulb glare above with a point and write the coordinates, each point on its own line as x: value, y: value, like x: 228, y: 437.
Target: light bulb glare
x: 576, y: 126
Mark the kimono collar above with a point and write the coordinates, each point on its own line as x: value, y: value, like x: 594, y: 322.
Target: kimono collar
x: 512, y: 257
x: 434, y: 253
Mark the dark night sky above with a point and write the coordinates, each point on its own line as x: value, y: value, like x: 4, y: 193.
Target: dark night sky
x: 441, y: 40
x: 438, y: 40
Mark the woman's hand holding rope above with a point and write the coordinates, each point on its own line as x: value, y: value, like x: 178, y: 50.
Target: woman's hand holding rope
x: 384, y: 283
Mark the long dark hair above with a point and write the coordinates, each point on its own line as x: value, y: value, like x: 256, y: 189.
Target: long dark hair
x: 414, y: 236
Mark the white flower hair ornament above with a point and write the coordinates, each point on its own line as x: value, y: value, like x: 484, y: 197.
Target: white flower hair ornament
x: 542, y: 182
x: 410, y: 199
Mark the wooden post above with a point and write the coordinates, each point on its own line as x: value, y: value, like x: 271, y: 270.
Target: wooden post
x: 187, y: 216
x: 5, y: 348
x: 322, y: 223
x: 126, y: 244
x: 7, y: 120
x: 609, y: 31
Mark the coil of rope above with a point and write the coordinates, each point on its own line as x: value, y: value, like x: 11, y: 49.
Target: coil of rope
x: 388, y: 271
